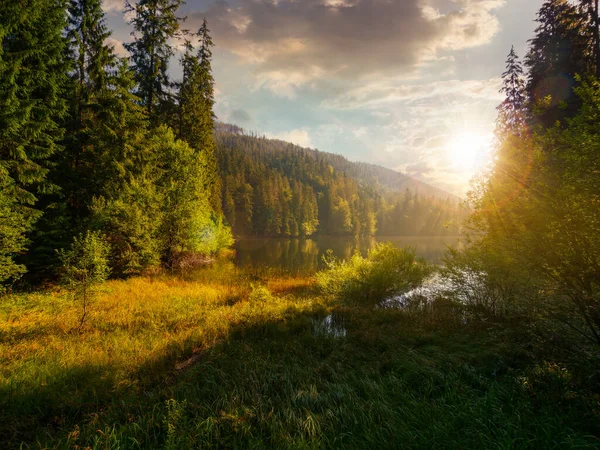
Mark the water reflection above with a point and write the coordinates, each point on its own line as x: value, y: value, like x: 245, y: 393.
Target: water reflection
x: 304, y: 255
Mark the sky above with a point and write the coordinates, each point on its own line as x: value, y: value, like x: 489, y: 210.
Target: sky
x: 411, y: 85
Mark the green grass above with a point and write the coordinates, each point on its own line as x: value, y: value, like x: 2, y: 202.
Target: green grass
x: 218, y: 361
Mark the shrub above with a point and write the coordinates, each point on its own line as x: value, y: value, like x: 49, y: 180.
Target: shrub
x: 260, y: 294
x: 387, y: 270
x: 486, y: 279
x: 85, y: 266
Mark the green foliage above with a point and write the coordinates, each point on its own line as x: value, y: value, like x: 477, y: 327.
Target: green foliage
x: 196, y: 116
x: 155, y: 24
x: 488, y: 278
x: 85, y: 266
x: 260, y: 294
x: 188, y: 223
x: 33, y: 74
x: 272, y: 188
x: 131, y: 223
x: 537, y: 214
x: 174, y: 423
x: 386, y: 271
x: 170, y: 363
x: 14, y: 224
x: 562, y: 48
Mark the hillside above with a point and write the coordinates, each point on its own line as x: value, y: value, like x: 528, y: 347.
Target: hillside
x: 371, y: 175
x: 274, y: 188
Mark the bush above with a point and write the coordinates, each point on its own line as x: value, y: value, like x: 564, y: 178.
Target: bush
x: 486, y: 279
x: 85, y: 266
x: 386, y: 271
x: 260, y: 294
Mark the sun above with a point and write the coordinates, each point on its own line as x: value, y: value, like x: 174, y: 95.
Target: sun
x: 469, y: 150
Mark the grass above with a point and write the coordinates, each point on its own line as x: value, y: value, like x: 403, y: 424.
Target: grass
x: 223, y: 359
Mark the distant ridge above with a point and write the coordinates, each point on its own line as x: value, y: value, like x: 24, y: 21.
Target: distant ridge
x: 368, y: 175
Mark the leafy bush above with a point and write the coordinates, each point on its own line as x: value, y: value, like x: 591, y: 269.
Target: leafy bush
x: 387, y: 270
x: 260, y: 294
x: 486, y: 279
x: 85, y: 265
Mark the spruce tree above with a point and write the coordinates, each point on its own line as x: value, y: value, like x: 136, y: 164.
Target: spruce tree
x: 32, y: 86
x: 83, y: 175
x: 196, y: 102
x: 512, y: 111
x: 560, y: 50
x: 14, y: 224
x: 590, y: 8
x: 154, y: 25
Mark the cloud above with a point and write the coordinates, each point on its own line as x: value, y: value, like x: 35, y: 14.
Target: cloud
x: 299, y: 42
x: 113, y: 5
x: 117, y: 46
x: 240, y: 117
x: 298, y: 136
x: 385, y: 92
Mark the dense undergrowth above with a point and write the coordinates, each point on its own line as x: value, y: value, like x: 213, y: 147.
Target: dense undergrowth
x: 223, y: 359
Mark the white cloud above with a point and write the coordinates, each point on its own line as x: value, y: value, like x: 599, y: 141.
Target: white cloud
x: 117, y: 46
x: 113, y: 5
x: 347, y: 39
x: 280, y: 83
x: 298, y: 136
x: 386, y: 92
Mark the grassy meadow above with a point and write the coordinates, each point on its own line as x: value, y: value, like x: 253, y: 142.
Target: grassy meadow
x: 220, y: 358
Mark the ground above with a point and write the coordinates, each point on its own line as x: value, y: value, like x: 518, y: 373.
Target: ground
x: 225, y: 359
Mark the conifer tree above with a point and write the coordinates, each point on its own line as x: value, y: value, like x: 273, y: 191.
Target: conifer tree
x: 92, y: 80
x: 155, y: 23
x: 512, y: 111
x: 14, y: 224
x: 560, y: 50
x: 196, y: 102
x: 32, y: 83
x: 590, y: 8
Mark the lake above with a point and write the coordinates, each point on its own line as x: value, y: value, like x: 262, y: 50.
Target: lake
x: 304, y: 255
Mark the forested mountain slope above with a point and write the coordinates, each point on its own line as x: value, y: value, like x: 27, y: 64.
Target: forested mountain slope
x: 274, y: 188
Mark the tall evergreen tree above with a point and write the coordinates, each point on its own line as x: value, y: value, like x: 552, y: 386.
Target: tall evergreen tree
x: 32, y: 83
x: 196, y: 102
x: 154, y: 25
x: 560, y: 50
x: 512, y: 111
x: 590, y: 8
x: 92, y: 80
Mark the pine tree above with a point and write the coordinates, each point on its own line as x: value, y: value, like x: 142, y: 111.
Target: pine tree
x: 560, y: 50
x: 196, y: 102
x: 95, y: 64
x: 590, y: 8
x: 154, y: 25
x: 32, y: 84
x: 512, y: 111
x: 14, y: 224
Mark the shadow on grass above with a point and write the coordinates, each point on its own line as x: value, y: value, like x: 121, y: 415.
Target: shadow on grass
x: 275, y: 384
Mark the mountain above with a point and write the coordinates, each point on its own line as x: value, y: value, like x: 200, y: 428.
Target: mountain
x: 368, y: 174
x: 274, y: 188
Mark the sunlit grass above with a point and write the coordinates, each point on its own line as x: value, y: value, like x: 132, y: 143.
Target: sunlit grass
x: 219, y: 358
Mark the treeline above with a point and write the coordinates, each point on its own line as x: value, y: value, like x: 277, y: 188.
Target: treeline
x: 273, y: 188
x: 110, y: 149
x: 537, y: 217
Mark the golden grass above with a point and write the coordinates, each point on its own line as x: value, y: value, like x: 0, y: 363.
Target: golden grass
x: 130, y: 325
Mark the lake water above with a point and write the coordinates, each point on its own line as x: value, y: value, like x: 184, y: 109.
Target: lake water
x: 304, y: 255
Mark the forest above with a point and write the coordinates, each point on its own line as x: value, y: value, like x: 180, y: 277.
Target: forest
x: 126, y: 321
x: 273, y: 188
x: 99, y: 151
